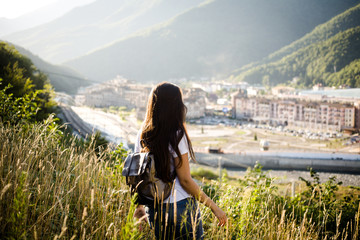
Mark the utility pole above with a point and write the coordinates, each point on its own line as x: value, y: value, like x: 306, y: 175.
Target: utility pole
x: 293, y: 189
x: 219, y: 160
x: 218, y: 152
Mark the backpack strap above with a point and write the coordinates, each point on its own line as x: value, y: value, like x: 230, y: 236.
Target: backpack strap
x: 143, y: 143
x: 127, y: 165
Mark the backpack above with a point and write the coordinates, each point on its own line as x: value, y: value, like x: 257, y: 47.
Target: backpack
x: 140, y: 173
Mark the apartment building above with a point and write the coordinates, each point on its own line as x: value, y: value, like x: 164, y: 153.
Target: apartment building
x: 357, y: 114
x: 299, y: 112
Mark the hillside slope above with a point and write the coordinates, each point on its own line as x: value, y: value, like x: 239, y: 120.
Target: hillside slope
x: 94, y: 25
x: 40, y: 16
x: 328, y: 55
x: 62, y: 78
x: 210, y: 40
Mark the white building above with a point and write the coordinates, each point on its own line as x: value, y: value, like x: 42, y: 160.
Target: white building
x: 194, y: 100
x: 117, y: 92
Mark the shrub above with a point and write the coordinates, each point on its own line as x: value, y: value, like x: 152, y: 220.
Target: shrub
x: 329, y: 213
x: 204, y: 173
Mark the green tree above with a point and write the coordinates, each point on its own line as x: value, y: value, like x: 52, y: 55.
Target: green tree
x: 25, y: 91
x: 13, y: 110
x: 266, y: 82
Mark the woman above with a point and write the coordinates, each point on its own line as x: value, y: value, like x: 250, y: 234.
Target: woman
x: 165, y: 135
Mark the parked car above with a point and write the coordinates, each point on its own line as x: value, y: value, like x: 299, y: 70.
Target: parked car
x: 215, y: 150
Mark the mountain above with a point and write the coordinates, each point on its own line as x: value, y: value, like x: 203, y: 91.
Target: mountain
x: 94, y: 25
x: 62, y: 78
x: 40, y: 16
x: 329, y: 55
x: 209, y: 40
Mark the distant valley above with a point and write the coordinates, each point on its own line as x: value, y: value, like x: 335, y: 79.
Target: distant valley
x: 239, y: 40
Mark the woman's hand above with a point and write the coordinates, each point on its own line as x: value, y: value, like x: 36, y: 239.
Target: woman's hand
x: 141, y: 215
x: 139, y: 212
x: 220, y: 214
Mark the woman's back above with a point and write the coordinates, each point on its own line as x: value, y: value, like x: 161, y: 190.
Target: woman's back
x: 165, y: 135
x: 164, y: 128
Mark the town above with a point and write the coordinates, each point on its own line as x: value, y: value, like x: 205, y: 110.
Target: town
x: 282, y: 106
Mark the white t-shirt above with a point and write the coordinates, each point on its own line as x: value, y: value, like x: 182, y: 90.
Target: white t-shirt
x: 178, y: 189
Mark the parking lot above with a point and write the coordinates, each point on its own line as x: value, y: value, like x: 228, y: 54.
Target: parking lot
x: 237, y: 137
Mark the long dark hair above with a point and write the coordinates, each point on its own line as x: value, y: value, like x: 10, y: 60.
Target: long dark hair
x: 164, y: 125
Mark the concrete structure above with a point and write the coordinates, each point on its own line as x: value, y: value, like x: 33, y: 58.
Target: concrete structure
x: 326, y: 162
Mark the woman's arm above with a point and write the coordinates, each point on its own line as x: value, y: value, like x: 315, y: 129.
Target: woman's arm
x: 190, y: 186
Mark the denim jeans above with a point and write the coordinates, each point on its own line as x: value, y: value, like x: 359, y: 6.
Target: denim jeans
x: 184, y: 225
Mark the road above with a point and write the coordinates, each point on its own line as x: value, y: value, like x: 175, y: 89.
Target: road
x: 72, y: 119
x: 113, y: 127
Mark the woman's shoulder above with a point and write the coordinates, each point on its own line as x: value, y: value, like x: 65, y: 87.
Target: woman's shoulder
x: 183, y: 146
x: 137, y: 142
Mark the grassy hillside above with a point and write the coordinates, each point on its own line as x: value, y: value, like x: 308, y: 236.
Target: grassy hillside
x: 56, y: 189
x: 328, y: 55
x: 210, y: 40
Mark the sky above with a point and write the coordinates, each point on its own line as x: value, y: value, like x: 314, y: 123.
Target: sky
x: 11, y: 8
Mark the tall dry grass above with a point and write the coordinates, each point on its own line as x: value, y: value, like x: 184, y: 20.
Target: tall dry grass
x: 256, y: 210
x: 53, y: 190
x: 56, y: 189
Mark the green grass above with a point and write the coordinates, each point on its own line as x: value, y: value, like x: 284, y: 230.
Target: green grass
x: 200, y: 173
x: 240, y: 132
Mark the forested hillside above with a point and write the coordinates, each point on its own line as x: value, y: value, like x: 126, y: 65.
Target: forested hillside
x: 210, y: 40
x: 329, y: 55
